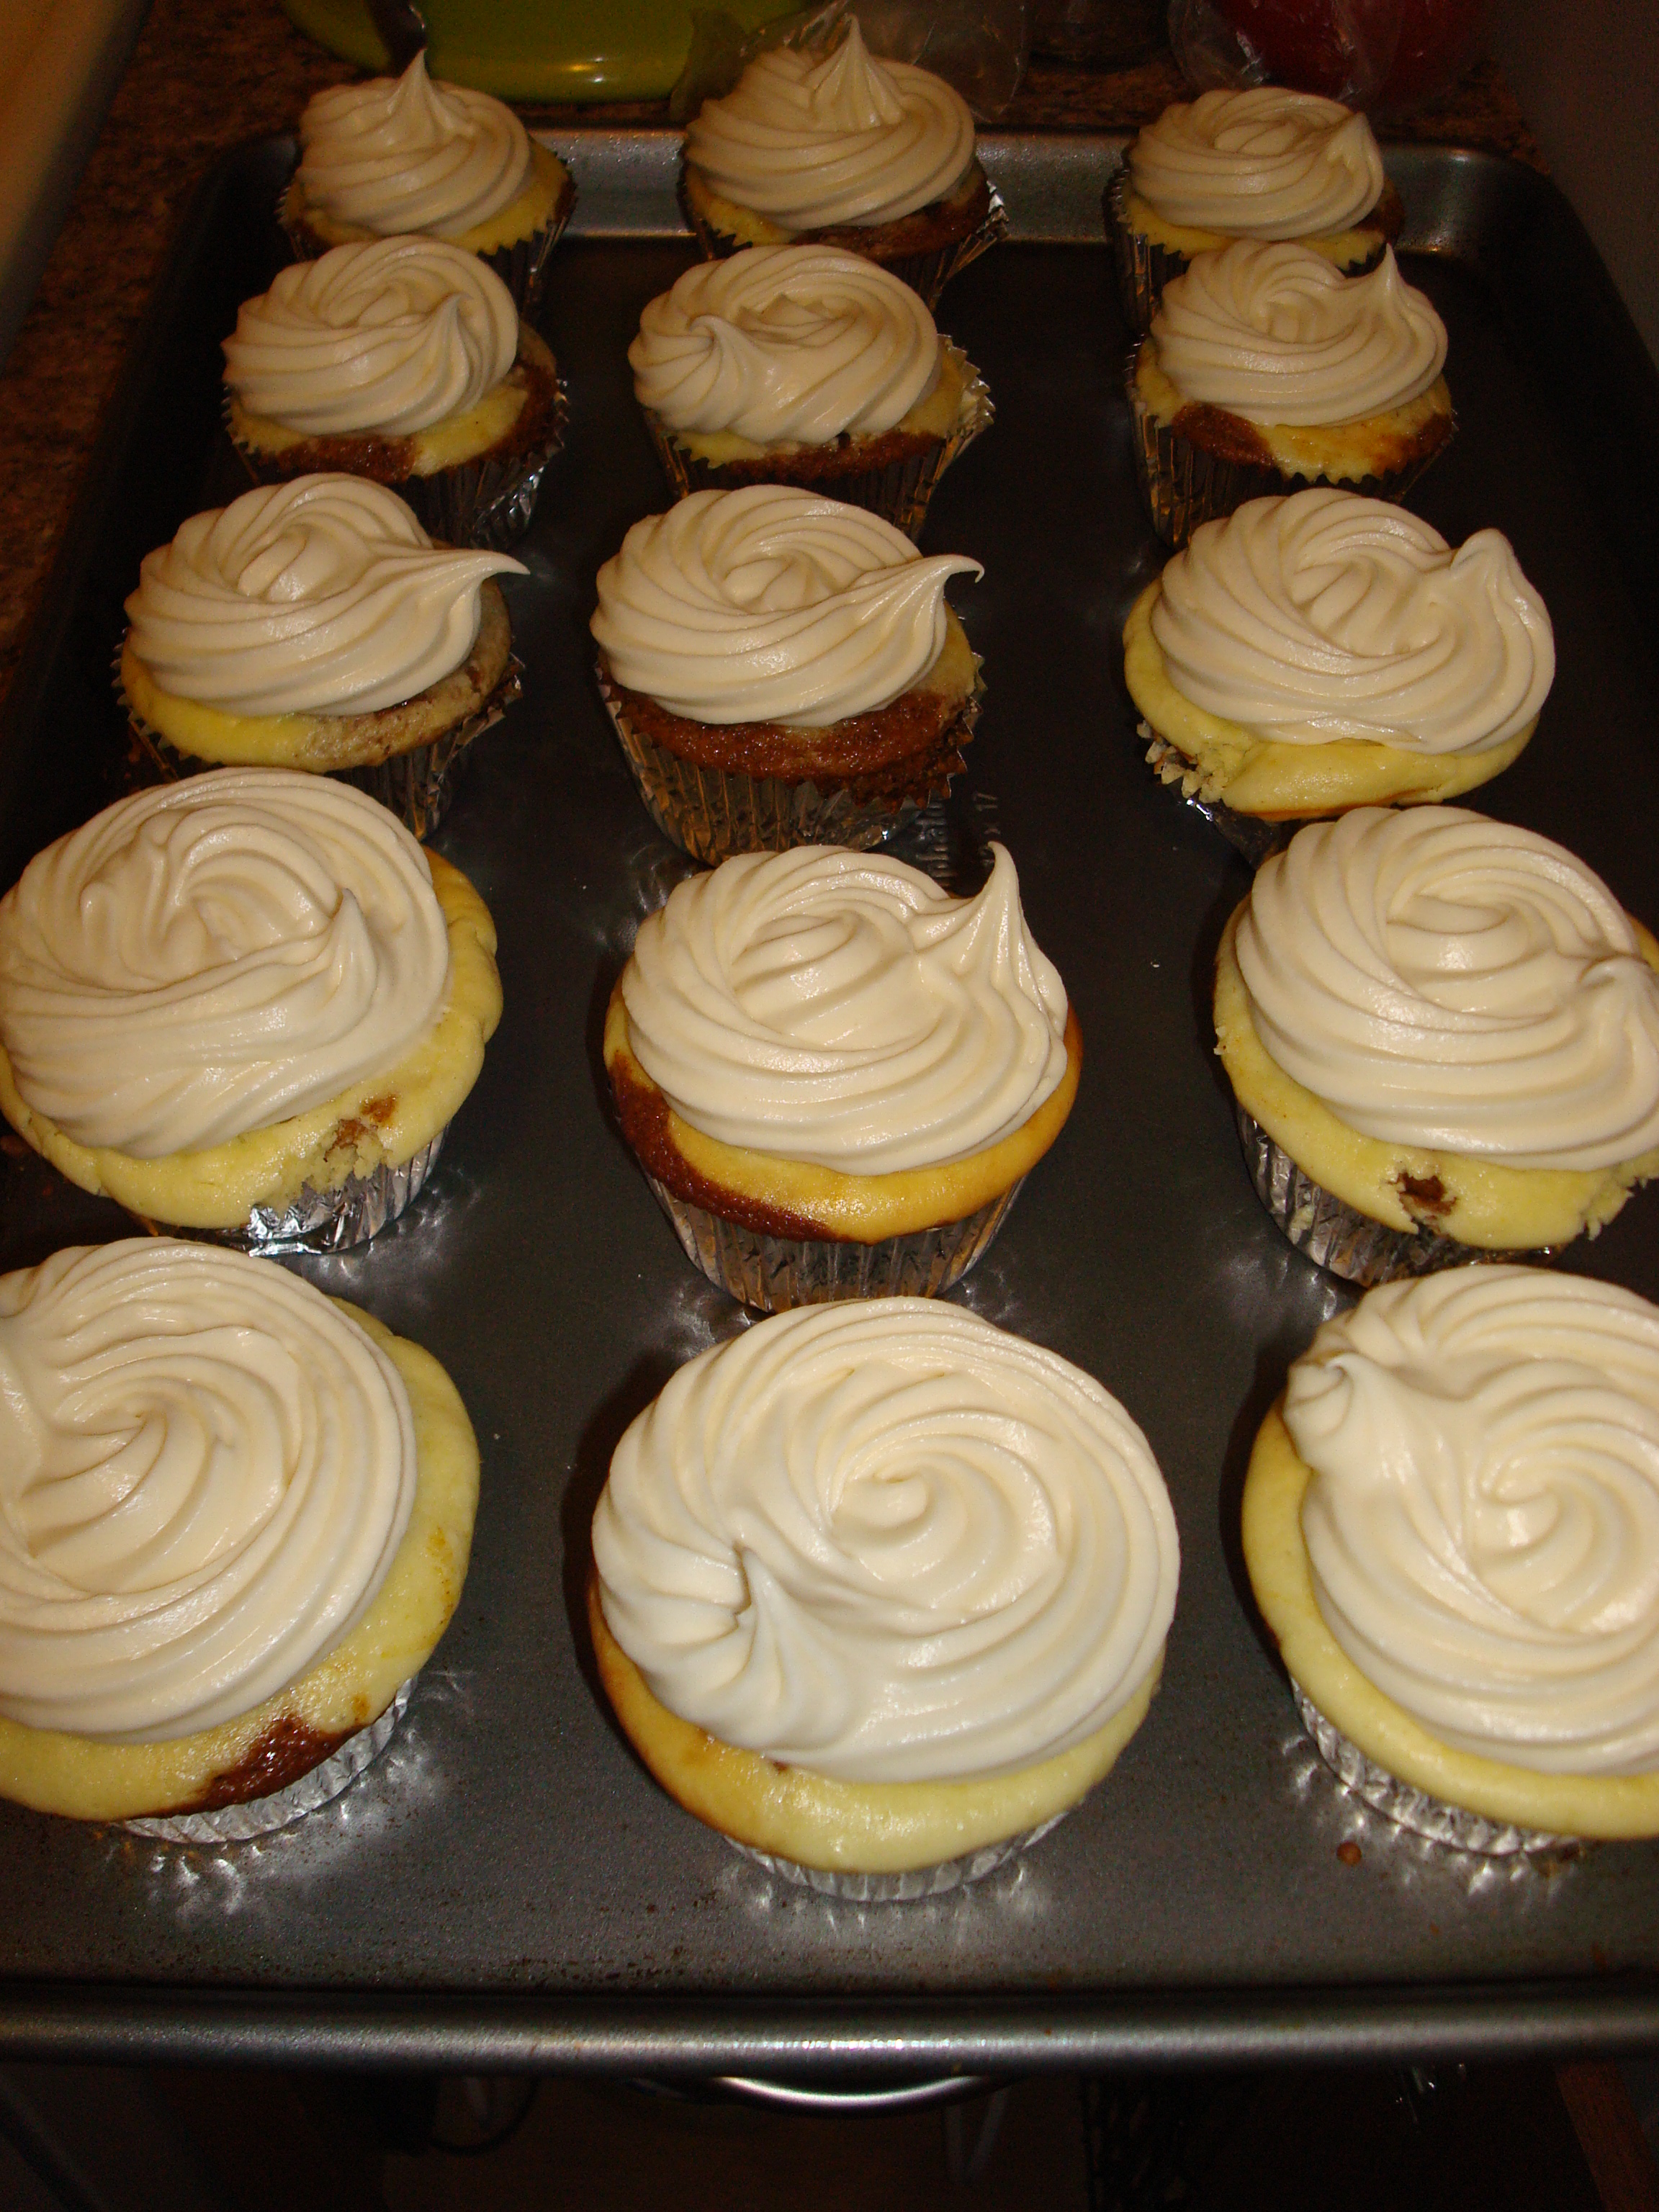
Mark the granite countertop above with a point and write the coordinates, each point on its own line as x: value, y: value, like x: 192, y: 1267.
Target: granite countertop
x: 204, y: 76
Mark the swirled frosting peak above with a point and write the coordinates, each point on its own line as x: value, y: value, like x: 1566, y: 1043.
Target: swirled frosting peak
x: 1275, y: 334
x: 1327, y: 616
x: 839, y: 1008
x: 390, y: 335
x: 323, y: 595
x: 402, y: 153
x: 795, y: 343
x: 769, y: 604
x: 813, y: 140
x: 1444, y: 980
x: 206, y: 1469
x: 886, y: 1542
x: 1483, y: 1519
x: 1262, y: 163
x: 213, y: 956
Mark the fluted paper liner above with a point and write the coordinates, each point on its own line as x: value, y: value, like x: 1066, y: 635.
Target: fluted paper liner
x: 775, y: 1272
x: 520, y: 266
x: 901, y: 1888
x: 899, y: 493
x: 263, y: 1816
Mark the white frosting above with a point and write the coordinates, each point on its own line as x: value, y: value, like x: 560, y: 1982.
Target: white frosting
x: 214, y: 955
x: 1482, y: 1521
x: 206, y: 1470
x: 839, y: 1008
x: 813, y: 140
x: 1275, y: 333
x: 323, y: 595
x: 786, y: 343
x: 1263, y: 163
x: 886, y: 1542
x: 1443, y: 980
x: 390, y: 335
x: 769, y: 604
x: 402, y: 154
x: 1327, y: 616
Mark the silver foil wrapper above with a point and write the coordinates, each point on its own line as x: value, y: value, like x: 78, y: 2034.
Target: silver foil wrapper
x: 1184, y: 484
x: 899, y: 493
x: 520, y: 266
x: 1256, y: 840
x: 1410, y: 1807
x: 926, y: 273
x: 713, y: 812
x: 900, y: 1888
x: 1338, y: 1237
x: 775, y: 1272
x: 263, y: 1816
x: 331, y: 1220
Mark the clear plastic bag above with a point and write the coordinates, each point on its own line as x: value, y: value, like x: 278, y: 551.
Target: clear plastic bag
x: 1384, y: 55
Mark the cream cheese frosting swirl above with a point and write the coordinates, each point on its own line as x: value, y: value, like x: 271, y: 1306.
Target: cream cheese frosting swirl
x: 1262, y: 163
x: 786, y: 343
x: 206, y: 1468
x: 1326, y: 616
x: 839, y: 1008
x: 323, y: 595
x: 1275, y: 334
x: 390, y: 335
x: 402, y: 153
x: 813, y: 140
x: 216, y: 955
x: 1483, y: 1519
x: 769, y: 604
x: 887, y: 1542
x: 1441, y: 979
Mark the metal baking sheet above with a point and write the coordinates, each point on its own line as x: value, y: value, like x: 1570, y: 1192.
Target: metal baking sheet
x: 507, y: 1887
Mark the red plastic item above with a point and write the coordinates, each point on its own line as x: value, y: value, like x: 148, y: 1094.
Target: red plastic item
x: 1384, y: 55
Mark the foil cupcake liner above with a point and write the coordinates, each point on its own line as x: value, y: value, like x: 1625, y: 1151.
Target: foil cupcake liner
x: 1338, y: 1237
x: 263, y: 1816
x: 713, y: 812
x: 776, y: 1272
x: 1183, y: 484
x: 1143, y: 267
x: 520, y: 266
x: 1414, y: 1808
x: 899, y: 493
x: 904, y: 1889
x: 1247, y: 834
x: 331, y: 1220
x: 926, y: 273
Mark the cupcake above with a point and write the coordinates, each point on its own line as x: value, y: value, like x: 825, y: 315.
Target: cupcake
x: 805, y: 365
x: 1263, y: 163
x: 1308, y: 654
x: 1442, y: 1037
x: 315, y: 625
x: 1451, y: 1525
x: 782, y: 670
x: 398, y: 154
x: 246, y: 1004
x: 1265, y: 368
x: 836, y: 1076
x: 838, y: 148
x: 880, y: 1591
x: 240, y: 1523
x: 402, y: 359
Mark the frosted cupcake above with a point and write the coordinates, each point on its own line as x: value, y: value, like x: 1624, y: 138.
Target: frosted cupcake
x: 842, y: 150
x: 223, y: 1649
x: 1443, y: 1035
x: 1451, y: 1524
x: 805, y: 365
x: 880, y: 1591
x: 398, y: 154
x: 782, y: 670
x: 1264, y: 163
x: 1321, y: 651
x: 402, y: 359
x: 315, y: 625
x: 246, y: 1004
x: 1265, y: 368
x: 836, y: 1076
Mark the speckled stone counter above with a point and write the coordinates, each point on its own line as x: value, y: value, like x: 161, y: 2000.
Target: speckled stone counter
x: 205, y: 75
